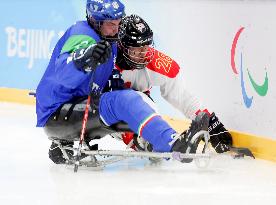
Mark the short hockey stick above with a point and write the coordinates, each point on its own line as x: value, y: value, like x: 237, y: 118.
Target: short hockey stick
x: 83, y: 129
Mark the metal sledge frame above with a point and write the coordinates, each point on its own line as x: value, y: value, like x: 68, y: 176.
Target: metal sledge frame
x: 119, y: 155
x: 202, y: 160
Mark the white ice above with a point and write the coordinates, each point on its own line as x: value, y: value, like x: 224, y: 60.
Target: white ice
x: 27, y: 176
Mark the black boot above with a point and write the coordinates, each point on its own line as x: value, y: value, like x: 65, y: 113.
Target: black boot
x: 56, y: 155
x: 186, y: 143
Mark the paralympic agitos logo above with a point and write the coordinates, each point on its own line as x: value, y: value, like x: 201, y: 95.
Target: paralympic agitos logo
x: 261, y: 90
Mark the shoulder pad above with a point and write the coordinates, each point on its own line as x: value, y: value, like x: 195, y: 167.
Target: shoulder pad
x: 164, y: 65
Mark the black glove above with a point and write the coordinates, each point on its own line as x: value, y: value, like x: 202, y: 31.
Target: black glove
x: 115, y: 82
x: 56, y: 155
x: 87, y: 59
x: 220, y: 138
x: 95, y: 101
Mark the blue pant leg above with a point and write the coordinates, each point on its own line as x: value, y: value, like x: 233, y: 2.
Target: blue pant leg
x: 129, y: 106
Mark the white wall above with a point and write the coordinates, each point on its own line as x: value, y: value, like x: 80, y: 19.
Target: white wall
x: 199, y: 35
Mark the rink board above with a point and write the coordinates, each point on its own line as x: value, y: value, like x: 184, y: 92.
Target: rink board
x: 262, y: 147
x: 16, y: 95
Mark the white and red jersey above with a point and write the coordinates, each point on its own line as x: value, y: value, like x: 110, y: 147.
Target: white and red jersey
x: 164, y: 72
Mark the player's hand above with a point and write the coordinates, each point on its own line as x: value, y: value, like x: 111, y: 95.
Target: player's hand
x: 220, y: 138
x: 88, y: 59
x: 101, y: 52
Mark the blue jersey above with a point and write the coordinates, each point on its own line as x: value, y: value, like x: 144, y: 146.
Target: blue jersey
x: 62, y: 81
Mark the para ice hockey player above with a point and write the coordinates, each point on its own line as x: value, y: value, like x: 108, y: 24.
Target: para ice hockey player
x: 141, y: 67
x: 81, y: 64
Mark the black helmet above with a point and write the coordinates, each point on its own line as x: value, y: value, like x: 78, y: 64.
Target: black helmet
x: 136, y: 48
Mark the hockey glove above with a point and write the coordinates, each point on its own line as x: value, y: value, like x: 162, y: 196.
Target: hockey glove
x: 220, y: 138
x: 87, y: 59
x: 115, y: 82
x: 95, y: 101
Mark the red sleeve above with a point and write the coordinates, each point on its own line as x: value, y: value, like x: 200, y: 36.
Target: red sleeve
x: 163, y: 64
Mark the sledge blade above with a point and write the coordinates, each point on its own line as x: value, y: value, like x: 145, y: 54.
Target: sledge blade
x: 241, y: 152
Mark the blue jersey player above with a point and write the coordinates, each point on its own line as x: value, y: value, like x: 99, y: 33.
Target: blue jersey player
x: 82, y: 64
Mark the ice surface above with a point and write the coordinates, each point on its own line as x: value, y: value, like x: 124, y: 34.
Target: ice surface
x: 27, y: 176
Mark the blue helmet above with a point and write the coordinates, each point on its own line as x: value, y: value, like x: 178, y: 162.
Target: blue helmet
x: 101, y: 10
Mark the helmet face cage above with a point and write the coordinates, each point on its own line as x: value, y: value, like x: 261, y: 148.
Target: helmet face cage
x: 136, y: 42
x: 138, y: 57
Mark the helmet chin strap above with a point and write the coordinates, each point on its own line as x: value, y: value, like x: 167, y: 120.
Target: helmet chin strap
x: 110, y: 39
x: 93, y: 24
x: 96, y: 26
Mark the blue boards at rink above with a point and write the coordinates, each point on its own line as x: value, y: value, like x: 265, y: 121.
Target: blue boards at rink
x: 29, y: 31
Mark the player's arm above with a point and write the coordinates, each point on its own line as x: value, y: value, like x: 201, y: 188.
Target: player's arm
x: 80, y: 55
x: 170, y: 78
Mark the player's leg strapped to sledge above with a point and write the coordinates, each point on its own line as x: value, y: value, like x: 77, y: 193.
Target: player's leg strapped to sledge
x: 129, y: 107
x: 63, y: 128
